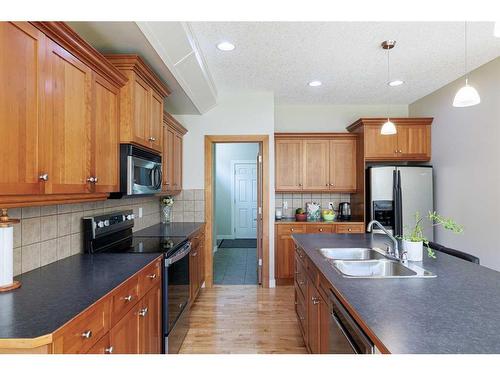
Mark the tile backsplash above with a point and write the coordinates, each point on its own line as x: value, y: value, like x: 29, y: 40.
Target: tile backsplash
x: 189, y: 206
x: 298, y: 200
x: 51, y: 233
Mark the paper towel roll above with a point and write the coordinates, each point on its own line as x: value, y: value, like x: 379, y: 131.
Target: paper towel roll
x: 6, y: 255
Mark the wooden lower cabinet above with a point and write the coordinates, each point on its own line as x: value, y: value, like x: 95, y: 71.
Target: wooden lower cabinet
x: 312, y: 308
x: 196, y: 266
x: 102, y: 346
x: 124, y: 336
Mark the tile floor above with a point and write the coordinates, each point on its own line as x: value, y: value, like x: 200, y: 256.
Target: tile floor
x: 235, y: 266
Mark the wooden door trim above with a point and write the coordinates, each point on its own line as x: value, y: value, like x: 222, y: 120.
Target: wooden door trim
x: 210, y: 140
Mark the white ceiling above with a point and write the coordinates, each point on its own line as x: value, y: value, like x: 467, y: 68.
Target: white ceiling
x: 346, y: 56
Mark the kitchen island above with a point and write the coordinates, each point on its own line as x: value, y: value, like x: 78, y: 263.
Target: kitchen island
x: 455, y: 312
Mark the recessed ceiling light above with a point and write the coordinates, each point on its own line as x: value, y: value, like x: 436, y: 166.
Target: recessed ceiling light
x: 396, y: 82
x: 225, y: 46
x: 315, y: 83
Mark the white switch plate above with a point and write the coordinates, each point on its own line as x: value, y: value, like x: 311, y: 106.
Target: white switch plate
x: 140, y: 211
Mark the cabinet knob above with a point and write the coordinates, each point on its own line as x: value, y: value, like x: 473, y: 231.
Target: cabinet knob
x: 321, y: 229
x: 291, y: 229
x: 153, y: 276
x: 109, y: 350
x: 300, y: 184
x: 87, y: 334
x: 349, y: 230
x: 315, y: 300
x: 43, y: 177
x: 92, y: 179
x: 152, y: 139
x: 143, y: 312
x: 127, y: 298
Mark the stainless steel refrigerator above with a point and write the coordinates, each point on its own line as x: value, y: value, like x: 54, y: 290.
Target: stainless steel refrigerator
x: 395, y: 193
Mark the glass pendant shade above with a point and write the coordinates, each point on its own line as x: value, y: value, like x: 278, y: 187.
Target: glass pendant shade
x: 388, y: 128
x: 467, y: 96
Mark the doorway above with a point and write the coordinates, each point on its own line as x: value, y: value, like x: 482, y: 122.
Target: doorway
x: 235, y: 213
x: 236, y: 210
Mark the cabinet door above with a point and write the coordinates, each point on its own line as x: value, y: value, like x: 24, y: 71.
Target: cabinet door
x: 414, y: 142
x: 168, y: 158
x: 177, y: 162
x: 21, y: 90
x: 150, y: 322
x: 156, y: 121
x: 106, y: 136
x: 124, y: 336
x: 194, y: 272
x: 66, y: 140
x: 378, y: 146
x: 315, y: 164
x: 343, y: 165
x: 288, y: 164
x: 284, y: 257
x: 141, y: 103
x: 313, y: 302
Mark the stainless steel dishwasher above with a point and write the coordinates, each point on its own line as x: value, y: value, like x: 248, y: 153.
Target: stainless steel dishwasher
x: 344, y: 334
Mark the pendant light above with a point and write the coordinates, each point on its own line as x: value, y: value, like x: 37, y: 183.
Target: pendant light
x: 388, y: 128
x: 467, y: 96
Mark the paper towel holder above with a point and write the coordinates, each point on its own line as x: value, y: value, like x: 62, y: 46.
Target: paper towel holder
x: 7, y: 222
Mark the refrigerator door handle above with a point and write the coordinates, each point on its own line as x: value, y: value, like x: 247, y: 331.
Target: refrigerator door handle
x: 399, y: 214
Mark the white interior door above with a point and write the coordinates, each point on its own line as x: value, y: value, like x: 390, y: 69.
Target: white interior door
x: 245, y: 200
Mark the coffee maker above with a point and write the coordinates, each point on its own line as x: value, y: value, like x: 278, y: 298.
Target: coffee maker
x: 344, y: 211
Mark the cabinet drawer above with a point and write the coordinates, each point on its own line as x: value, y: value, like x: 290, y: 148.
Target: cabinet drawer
x: 284, y: 229
x: 300, y: 309
x: 320, y: 228
x: 300, y: 255
x: 102, y: 346
x: 149, y: 277
x: 124, y: 298
x: 350, y: 228
x: 300, y: 276
x: 83, y: 332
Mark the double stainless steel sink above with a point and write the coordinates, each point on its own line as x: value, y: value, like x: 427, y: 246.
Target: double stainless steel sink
x: 370, y: 263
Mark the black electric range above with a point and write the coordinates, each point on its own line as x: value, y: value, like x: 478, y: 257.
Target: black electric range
x: 112, y: 233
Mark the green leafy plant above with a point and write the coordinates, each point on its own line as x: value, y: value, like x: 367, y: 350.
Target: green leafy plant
x: 416, y: 233
x: 300, y: 211
x: 167, y: 201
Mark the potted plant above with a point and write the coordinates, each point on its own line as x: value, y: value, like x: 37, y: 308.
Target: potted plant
x: 414, y: 239
x: 300, y: 214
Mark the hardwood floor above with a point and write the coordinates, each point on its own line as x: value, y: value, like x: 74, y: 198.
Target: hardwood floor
x: 244, y: 319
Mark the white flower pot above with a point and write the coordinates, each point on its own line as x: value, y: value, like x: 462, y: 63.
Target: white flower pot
x: 414, y: 250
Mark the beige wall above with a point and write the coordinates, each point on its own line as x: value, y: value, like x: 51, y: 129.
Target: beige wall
x: 329, y: 118
x: 466, y: 160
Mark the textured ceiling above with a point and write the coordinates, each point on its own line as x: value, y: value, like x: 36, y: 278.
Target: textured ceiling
x: 346, y: 56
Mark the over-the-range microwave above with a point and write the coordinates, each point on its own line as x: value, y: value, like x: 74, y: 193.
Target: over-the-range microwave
x: 140, y: 172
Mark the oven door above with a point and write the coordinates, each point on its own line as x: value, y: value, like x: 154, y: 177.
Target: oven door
x: 143, y: 176
x: 177, y: 288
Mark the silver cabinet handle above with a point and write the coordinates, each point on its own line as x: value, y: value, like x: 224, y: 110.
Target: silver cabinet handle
x: 194, y: 254
x: 92, y: 179
x: 109, y: 350
x: 315, y: 300
x: 300, y: 184
x: 321, y: 229
x: 152, y: 139
x: 87, y: 334
x: 127, y: 298
x: 153, y: 276
x: 96, y: 179
x: 43, y: 177
x: 301, y: 282
x: 143, y: 311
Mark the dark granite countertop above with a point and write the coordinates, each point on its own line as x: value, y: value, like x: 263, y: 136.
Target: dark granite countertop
x: 52, y: 295
x: 170, y: 230
x: 456, y: 312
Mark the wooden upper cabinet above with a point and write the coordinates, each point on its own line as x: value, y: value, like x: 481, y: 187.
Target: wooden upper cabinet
x: 412, y: 142
x: 106, y: 135
x: 315, y: 165
x: 21, y: 89
x: 66, y: 138
x: 141, y: 102
x: 342, y: 165
x: 378, y: 146
x: 288, y: 164
x: 156, y: 120
x: 173, y: 133
x: 316, y: 162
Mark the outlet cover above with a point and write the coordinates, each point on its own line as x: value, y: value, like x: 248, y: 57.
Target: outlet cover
x: 140, y: 211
